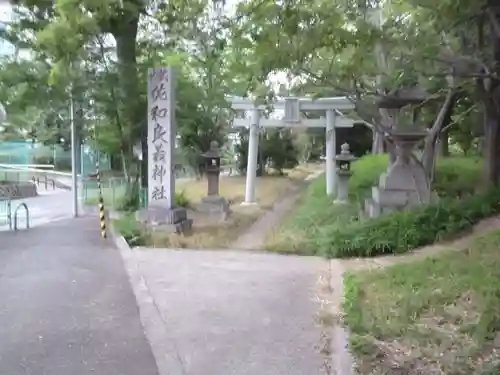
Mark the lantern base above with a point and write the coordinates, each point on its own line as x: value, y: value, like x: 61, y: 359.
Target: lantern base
x: 248, y: 204
x: 214, y: 205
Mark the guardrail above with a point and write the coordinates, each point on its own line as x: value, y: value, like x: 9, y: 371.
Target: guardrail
x: 21, y: 169
x: 46, y: 180
x: 36, y: 166
x: 24, y: 173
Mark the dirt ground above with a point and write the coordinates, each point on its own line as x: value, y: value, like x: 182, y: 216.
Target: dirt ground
x: 214, y: 233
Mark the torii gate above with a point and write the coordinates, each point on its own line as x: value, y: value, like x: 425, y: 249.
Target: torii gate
x: 292, y: 107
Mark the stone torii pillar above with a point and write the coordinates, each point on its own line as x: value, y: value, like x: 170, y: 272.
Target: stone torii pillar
x: 292, y: 107
x: 330, y: 153
x: 253, y: 149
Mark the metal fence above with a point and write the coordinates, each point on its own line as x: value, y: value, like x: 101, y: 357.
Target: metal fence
x: 16, y: 152
x: 37, y: 155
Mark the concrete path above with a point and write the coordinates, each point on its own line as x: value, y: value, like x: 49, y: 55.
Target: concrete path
x: 66, y: 305
x: 254, y: 238
x: 229, y: 313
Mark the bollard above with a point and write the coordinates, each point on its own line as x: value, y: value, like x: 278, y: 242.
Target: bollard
x: 102, y: 216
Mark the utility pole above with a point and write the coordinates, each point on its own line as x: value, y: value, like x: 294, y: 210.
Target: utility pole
x: 74, y: 156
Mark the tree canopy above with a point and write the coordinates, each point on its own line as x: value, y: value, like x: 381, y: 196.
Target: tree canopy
x: 99, y: 52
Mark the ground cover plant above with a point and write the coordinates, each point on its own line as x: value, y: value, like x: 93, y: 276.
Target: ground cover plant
x: 317, y: 226
x: 439, y: 315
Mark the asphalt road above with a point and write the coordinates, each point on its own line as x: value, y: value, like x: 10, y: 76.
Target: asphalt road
x: 66, y: 306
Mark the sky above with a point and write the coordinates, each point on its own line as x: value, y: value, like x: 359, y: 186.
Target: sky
x: 5, y: 10
x: 5, y: 14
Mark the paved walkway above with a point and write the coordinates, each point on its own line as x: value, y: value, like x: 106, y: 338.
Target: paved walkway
x: 254, y: 237
x: 67, y: 307
x: 229, y: 313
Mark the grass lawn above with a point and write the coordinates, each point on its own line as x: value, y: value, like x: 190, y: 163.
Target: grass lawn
x: 315, y: 210
x: 440, y: 315
x: 232, y: 187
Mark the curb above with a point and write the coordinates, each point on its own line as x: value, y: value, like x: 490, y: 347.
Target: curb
x: 165, y: 352
x: 342, y: 360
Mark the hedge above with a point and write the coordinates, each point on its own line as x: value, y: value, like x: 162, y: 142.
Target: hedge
x: 403, y: 231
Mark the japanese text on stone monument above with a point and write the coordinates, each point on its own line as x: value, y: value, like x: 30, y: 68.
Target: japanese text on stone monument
x: 160, y: 137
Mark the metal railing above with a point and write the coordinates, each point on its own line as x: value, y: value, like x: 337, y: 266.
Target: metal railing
x: 45, y: 181
x: 6, y: 211
x: 25, y: 206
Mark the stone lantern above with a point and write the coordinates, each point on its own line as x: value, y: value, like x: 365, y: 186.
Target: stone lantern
x: 405, y: 183
x: 343, y: 160
x: 212, y: 168
x: 213, y: 203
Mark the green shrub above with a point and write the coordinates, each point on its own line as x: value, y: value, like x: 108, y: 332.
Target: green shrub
x: 181, y: 199
x: 457, y: 176
x: 366, y: 171
x: 131, y: 201
x: 316, y: 217
x: 131, y: 230
x: 402, y: 231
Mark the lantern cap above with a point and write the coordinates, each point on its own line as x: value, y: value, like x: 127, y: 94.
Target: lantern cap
x: 344, y: 149
x: 213, y: 152
x: 345, y: 153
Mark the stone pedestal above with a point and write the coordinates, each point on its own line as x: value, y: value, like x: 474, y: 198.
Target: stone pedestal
x: 404, y: 184
x: 172, y: 220
x: 342, y: 186
x: 214, y: 206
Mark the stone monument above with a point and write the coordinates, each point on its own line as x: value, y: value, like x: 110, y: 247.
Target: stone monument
x: 344, y: 160
x: 213, y: 204
x: 405, y: 183
x: 161, y: 211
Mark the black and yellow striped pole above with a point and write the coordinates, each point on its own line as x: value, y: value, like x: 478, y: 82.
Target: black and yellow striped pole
x: 102, y: 216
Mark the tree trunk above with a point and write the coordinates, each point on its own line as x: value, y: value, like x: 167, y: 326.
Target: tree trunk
x: 491, y: 100
x: 132, y: 113
x: 443, y: 119
x: 444, y: 145
x: 492, y: 147
x: 378, y: 143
